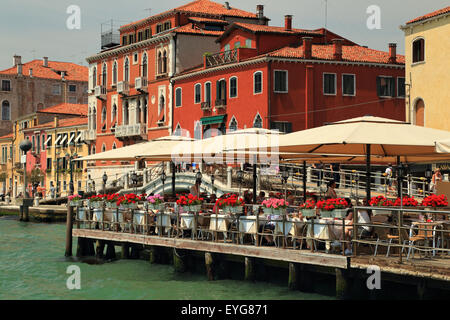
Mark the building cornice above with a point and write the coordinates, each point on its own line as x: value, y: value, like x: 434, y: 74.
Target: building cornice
x: 430, y: 19
x: 280, y: 59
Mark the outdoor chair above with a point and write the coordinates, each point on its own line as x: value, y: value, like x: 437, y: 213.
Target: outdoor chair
x: 203, y: 227
x: 424, y: 232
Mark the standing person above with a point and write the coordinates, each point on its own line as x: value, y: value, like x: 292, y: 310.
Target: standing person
x: 195, y: 189
x: 52, y: 190
x: 388, y: 176
x: 437, y: 176
x: 336, y: 168
x: 330, y: 191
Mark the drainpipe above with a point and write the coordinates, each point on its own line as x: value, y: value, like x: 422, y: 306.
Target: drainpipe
x: 173, y: 55
x: 269, y: 92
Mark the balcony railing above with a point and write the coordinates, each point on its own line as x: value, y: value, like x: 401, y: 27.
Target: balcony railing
x: 206, y: 106
x: 221, y: 58
x: 89, y: 135
x: 100, y: 92
x: 141, y: 83
x: 221, y: 103
x: 123, y: 87
x: 131, y: 131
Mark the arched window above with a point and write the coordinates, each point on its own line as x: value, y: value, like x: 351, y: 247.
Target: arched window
x: 6, y: 110
x: 94, y: 77
x: 33, y: 144
x: 145, y: 110
x: 93, y: 150
x: 138, y: 112
x: 113, y: 112
x: 258, y: 123
x: 114, y: 75
x: 178, y: 96
x: 161, y: 108
x: 114, y: 147
x: 257, y: 82
x: 94, y: 118
x: 418, y: 50
x: 177, y: 131
x: 104, y: 75
x: 159, y: 63
x: 144, y: 65
x: 233, y: 87
x: 233, y: 124
x: 198, y: 93
x: 164, y: 61
x: 125, y: 113
x: 420, y: 113
x: 103, y: 147
x: 198, y: 130
x: 126, y: 70
x: 103, y: 114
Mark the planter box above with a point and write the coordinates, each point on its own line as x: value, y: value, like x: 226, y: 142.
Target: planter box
x: 129, y: 206
x: 152, y: 206
x: 279, y: 211
x: 111, y: 205
x: 309, y: 212
x: 96, y: 204
x: 339, y: 213
x: 75, y: 203
x: 267, y: 210
x: 325, y: 214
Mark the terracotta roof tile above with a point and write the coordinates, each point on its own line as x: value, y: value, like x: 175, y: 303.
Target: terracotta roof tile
x: 205, y: 7
x: 349, y: 53
x: 269, y: 29
x: 211, y: 20
x: 73, y: 72
x: 8, y: 136
x: 430, y: 15
x: 67, y: 108
x: 62, y: 123
x: 189, y: 29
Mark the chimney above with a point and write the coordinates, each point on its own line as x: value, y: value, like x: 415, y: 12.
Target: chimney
x: 20, y: 69
x: 260, y: 11
x: 337, y: 49
x: 227, y: 5
x: 45, y: 64
x: 392, y: 53
x: 288, y: 22
x: 17, y: 60
x: 307, y: 47
x: 56, y: 122
x: 31, y: 72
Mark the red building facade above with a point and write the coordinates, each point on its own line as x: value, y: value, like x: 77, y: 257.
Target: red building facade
x: 287, y: 79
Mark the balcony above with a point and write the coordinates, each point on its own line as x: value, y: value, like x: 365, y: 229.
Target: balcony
x: 123, y: 88
x: 221, y: 58
x: 131, y: 131
x: 89, y: 135
x: 221, y: 103
x: 100, y: 92
x: 206, y: 106
x: 141, y: 84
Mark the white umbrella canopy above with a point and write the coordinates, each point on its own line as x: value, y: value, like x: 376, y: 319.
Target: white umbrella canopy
x: 443, y: 146
x: 387, y: 138
x: 130, y: 153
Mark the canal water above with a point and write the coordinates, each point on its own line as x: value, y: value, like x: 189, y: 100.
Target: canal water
x: 32, y: 266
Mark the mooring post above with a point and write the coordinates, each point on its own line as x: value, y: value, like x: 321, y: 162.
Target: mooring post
x: 80, y: 247
x: 125, y: 250
x: 110, y: 251
x: 305, y: 279
x: 154, y: 254
x: 209, y: 263
x: 293, y: 282
x: 90, y: 251
x: 342, y: 284
x: 99, y: 248
x: 250, y: 269
x: 179, y: 262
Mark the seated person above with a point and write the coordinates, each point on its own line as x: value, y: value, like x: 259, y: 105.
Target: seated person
x: 363, y: 217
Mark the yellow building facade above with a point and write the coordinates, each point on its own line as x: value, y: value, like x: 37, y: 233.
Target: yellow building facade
x: 427, y: 50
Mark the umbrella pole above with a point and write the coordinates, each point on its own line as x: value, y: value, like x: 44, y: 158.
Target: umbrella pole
x: 400, y: 213
x: 304, y: 181
x: 254, y: 183
x: 173, y: 178
x: 368, y: 169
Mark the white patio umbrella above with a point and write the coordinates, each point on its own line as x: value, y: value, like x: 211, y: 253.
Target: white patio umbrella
x: 443, y: 146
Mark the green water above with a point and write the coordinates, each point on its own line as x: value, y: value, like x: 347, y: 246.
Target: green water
x: 32, y: 266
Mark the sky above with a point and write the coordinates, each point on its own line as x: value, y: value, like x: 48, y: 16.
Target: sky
x: 37, y: 28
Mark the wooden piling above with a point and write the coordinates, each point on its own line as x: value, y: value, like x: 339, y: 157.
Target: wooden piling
x: 250, y: 269
x: 305, y: 279
x: 342, y: 284
x: 80, y: 247
x: 125, y: 250
x: 69, y: 227
x: 135, y: 252
x: 179, y: 262
x: 154, y: 255
x: 99, y: 249
x: 209, y: 263
x: 110, y: 251
x: 293, y: 281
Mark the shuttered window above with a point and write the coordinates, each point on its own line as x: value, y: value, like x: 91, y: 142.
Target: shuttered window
x: 281, y: 80
x: 385, y: 86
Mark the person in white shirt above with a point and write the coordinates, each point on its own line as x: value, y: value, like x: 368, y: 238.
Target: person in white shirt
x: 363, y: 218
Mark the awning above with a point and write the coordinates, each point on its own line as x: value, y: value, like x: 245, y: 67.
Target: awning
x: 57, y: 140
x: 63, y: 140
x: 212, y: 120
x: 79, y: 137
x: 48, y: 140
x: 72, y: 136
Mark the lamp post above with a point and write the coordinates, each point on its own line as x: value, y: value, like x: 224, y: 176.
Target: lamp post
x: 25, y: 146
x: 285, y: 177
x: 428, y: 176
x: 134, y: 178
x: 163, y: 179
x: 105, y: 179
x: 69, y: 218
x: 69, y: 158
x: 240, y: 178
x: 212, y: 182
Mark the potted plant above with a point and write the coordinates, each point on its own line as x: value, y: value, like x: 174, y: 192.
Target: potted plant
x: 380, y: 201
x: 128, y: 201
x: 435, y: 201
x: 275, y: 206
x: 75, y: 200
x: 155, y: 202
x: 325, y: 209
x: 308, y: 208
x: 96, y: 201
x: 340, y: 206
x: 111, y: 200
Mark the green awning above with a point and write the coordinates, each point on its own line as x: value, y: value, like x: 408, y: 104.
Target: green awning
x: 212, y: 120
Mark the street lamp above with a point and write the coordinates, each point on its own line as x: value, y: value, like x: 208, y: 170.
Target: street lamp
x: 285, y: 177
x: 240, y: 178
x: 212, y: 182
x: 104, y: 178
x: 25, y: 146
x: 134, y: 179
x: 163, y: 179
x: 198, y: 177
x: 428, y: 176
x: 69, y: 158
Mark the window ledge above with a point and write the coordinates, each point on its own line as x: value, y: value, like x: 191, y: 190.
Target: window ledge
x: 349, y: 95
x: 281, y: 91
x: 417, y: 63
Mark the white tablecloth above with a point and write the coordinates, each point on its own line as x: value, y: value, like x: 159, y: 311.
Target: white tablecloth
x: 139, y: 218
x: 279, y: 227
x: 186, y: 221
x: 248, y: 225
x: 223, y: 222
x: 98, y: 215
x: 163, y: 220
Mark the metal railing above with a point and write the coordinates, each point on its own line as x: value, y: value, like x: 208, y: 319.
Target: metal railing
x: 131, y: 130
x: 221, y: 58
x: 250, y: 227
